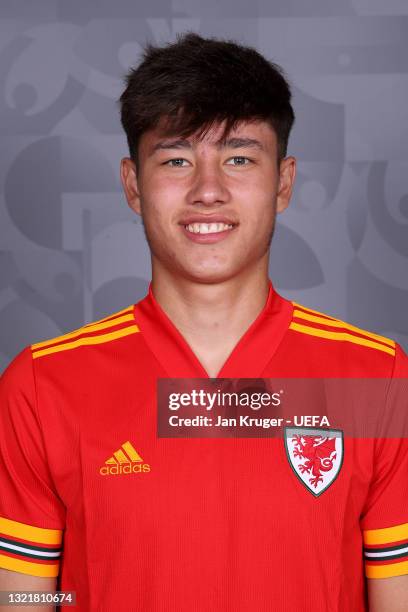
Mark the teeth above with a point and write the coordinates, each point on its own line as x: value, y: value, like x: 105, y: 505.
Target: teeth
x: 207, y: 228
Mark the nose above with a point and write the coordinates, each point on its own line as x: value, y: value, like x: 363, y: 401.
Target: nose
x: 208, y: 187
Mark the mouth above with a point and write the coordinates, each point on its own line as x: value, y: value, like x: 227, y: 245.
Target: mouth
x: 208, y: 228
x: 208, y: 232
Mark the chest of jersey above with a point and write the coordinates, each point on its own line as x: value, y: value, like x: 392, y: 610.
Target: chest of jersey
x: 187, y: 512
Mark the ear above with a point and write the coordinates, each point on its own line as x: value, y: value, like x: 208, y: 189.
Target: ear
x: 129, y: 180
x: 287, y: 173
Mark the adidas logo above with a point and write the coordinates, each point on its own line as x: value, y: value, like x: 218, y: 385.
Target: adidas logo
x: 126, y: 460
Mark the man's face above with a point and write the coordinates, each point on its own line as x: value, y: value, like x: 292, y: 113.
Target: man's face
x: 182, y: 186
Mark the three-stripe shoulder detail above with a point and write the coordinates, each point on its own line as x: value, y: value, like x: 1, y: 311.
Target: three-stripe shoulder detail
x: 110, y: 328
x: 314, y: 323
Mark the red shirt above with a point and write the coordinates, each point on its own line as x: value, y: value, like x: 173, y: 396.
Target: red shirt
x: 131, y: 521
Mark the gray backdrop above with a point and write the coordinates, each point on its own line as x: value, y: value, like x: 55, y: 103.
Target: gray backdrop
x: 71, y: 251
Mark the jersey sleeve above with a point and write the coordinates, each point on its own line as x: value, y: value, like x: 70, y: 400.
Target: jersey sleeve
x: 384, y: 521
x: 32, y: 516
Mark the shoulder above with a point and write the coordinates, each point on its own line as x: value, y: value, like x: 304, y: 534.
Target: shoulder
x: 321, y: 325
x: 112, y: 327
x: 352, y: 347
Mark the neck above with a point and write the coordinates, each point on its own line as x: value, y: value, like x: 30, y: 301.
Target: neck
x: 209, y: 314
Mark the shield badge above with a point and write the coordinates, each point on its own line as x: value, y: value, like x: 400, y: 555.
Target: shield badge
x: 315, y: 455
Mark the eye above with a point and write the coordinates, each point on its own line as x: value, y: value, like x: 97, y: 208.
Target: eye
x: 175, y: 165
x: 241, y: 160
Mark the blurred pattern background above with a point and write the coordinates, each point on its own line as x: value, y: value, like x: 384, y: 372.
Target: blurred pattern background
x: 70, y: 249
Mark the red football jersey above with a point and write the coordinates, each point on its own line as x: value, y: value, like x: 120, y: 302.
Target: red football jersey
x: 132, y: 521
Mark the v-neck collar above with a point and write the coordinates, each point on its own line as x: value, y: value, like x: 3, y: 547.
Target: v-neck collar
x: 249, y: 357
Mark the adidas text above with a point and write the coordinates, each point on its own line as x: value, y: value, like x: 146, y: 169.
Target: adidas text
x: 127, y: 468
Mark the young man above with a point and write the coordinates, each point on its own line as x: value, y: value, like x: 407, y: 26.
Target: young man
x: 133, y: 521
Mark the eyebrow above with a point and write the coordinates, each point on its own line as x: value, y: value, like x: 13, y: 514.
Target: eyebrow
x: 232, y: 143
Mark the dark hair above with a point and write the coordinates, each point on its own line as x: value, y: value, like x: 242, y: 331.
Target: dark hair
x: 195, y: 82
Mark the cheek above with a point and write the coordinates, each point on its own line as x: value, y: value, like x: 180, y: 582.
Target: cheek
x: 259, y: 194
x: 153, y: 198
x: 153, y: 218
x: 160, y: 186
x: 259, y: 213
x: 160, y: 200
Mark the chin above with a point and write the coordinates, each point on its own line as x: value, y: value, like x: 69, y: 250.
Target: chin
x: 209, y: 276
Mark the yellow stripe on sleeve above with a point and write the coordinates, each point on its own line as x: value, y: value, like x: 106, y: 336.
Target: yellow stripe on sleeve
x: 316, y: 312
x: 126, y: 331
x: 388, y: 535
x: 27, y: 567
x: 386, y: 571
x: 84, y: 330
x: 313, y: 331
x: 128, y: 310
x: 343, y: 324
x: 39, y: 535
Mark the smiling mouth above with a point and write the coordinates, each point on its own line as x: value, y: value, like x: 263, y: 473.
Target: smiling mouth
x: 208, y: 228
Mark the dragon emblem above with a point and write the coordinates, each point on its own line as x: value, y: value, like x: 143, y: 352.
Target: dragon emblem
x: 319, y: 453
x: 316, y: 455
